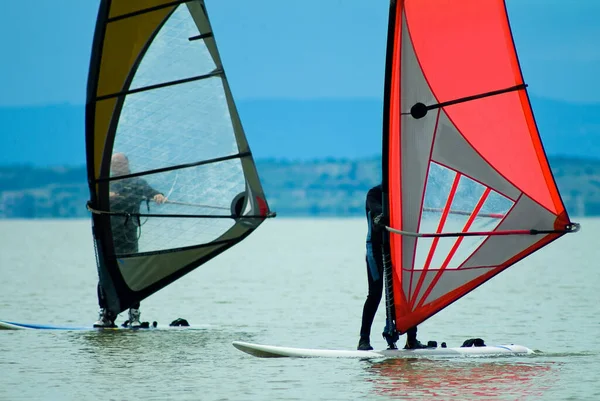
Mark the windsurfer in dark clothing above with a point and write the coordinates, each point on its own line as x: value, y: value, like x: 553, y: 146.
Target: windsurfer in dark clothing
x: 376, y: 230
x: 125, y: 196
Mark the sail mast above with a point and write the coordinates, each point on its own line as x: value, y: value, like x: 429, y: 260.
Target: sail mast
x: 390, y: 331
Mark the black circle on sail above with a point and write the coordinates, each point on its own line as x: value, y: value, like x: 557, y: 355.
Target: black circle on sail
x: 238, y: 204
x: 419, y: 110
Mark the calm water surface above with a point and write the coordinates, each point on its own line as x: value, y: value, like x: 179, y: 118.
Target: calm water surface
x: 296, y: 283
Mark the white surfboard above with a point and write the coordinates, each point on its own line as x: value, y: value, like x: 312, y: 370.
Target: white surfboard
x: 271, y: 351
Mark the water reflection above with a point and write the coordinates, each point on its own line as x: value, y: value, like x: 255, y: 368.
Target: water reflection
x: 461, y: 379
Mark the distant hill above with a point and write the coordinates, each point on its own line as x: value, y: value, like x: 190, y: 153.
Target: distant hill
x: 323, y: 187
x: 283, y: 129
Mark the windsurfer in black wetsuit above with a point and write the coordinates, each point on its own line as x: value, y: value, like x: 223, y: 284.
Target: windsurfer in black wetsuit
x: 376, y: 230
x: 125, y: 196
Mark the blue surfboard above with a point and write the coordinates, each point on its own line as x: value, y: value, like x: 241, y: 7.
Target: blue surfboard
x: 6, y: 325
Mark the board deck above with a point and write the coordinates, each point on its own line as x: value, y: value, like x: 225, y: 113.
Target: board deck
x: 4, y: 325
x: 271, y: 351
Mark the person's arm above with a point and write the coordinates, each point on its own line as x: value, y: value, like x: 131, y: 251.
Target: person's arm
x: 152, y: 193
x: 374, y: 202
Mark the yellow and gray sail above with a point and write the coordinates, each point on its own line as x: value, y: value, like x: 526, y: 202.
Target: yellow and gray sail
x: 158, y: 98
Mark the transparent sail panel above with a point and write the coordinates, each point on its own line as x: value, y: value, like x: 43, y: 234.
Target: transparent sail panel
x: 174, y: 125
x: 453, y: 203
x: 439, y: 183
x: 494, y: 209
x: 437, y: 190
x: 171, y: 55
x: 203, y: 190
x: 463, y: 196
x: 462, y: 204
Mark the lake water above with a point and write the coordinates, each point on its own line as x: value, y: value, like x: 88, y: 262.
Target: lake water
x: 294, y: 282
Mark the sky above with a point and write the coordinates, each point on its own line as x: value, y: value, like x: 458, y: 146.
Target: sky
x: 274, y: 49
x: 290, y: 49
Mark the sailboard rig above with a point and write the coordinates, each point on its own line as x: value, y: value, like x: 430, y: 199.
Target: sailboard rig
x: 467, y: 185
x: 158, y: 98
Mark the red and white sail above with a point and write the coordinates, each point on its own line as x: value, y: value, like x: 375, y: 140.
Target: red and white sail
x: 462, y: 154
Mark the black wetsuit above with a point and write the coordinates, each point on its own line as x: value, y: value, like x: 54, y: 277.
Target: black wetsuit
x: 375, y: 263
x: 130, y: 193
x: 374, y: 260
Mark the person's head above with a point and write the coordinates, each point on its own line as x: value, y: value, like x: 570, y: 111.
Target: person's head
x: 119, y: 164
